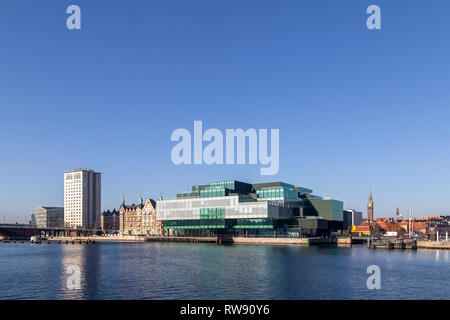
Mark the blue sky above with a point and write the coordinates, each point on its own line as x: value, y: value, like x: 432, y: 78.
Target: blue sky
x: 356, y: 108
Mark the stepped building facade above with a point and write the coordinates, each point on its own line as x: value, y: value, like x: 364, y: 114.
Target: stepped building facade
x: 238, y: 208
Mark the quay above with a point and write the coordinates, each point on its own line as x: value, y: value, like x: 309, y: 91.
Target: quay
x: 379, y: 243
x: 247, y: 240
x: 376, y: 243
x: 216, y: 240
x: 433, y: 244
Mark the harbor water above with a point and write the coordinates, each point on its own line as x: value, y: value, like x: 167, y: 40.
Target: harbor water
x: 156, y: 270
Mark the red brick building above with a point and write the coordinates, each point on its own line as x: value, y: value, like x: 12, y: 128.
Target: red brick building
x: 139, y: 219
x: 109, y: 221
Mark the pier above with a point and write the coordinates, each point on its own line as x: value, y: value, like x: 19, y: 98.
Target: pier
x: 372, y: 243
x: 21, y: 232
x: 383, y: 243
x: 217, y: 240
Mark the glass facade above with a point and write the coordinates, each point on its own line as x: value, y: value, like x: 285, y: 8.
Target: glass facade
x: 48, y: 217
x: 254, y: 224
x: 213, y: 192
x: 225, y: 184
x: 195, y: 224
x: 277, y: 193
x: 237, y: 208
x: 212, y: 213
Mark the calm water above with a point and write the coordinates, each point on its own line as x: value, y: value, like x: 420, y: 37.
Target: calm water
x: 207, y: 271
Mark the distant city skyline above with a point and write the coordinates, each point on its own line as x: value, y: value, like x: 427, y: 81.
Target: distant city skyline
x: 356, y: 109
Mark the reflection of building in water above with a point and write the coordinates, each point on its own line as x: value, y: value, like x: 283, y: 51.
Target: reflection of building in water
x: 73, y: 266
x: 47, y: 217
x: 140, y: 218
x: 86, y: 259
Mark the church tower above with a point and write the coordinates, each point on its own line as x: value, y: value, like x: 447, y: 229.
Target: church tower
x: 370, y: 207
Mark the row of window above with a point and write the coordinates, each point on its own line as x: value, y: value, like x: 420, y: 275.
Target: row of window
x: 219, y: 223
x: 212, y: 213
x: 253, y: 227
x: 209, y: 193
x: 277, y: 193
x: 195, y: 224
x: 225, y: 184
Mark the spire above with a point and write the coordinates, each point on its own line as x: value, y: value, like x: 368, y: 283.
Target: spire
x: 123, y: 199
x: 160, y: 197
x: 141, y: 201
x: 370, y: 207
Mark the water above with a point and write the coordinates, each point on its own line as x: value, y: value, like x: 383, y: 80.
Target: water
x: 209, y: 271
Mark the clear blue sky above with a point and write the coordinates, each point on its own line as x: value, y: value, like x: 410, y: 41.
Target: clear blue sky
x: 356, y: 109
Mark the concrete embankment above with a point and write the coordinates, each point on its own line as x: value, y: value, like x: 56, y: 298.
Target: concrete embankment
x: 218, y: 240
x: 283, y: 241
x: 433, y: 244
x: 235, y: 240
x: 184, y: 239
x: 245, y: 240
x: 98, y: 239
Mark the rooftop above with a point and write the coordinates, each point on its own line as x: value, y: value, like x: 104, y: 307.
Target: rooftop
x: 78, y: 170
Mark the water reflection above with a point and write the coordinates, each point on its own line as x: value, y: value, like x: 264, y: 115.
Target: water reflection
x: 85, y: 258
x: 72, y: 255
x: 206, y: 271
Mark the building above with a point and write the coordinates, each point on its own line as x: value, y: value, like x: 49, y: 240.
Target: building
x: 362, y: 230
x: 47, y: 217
x: 391, y: 228
x: 420, y: 227
x: 110, y: 221
x: 352, y: 218
x: 366, y: 228
x: 370, y: 207
x: 242, y: 209
x: 82, y: 199
x: 139, y: 219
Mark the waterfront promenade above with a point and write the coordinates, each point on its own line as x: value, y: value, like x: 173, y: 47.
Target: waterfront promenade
x: 217, y: 240
x: 347, y: 242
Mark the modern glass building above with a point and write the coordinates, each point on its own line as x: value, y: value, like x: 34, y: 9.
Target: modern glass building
x: 238, y: 208
x: 47, y: 217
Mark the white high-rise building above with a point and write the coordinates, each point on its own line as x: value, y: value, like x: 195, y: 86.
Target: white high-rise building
x: 82, y: 198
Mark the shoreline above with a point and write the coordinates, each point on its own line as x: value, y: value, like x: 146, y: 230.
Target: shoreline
x: 226, y: 240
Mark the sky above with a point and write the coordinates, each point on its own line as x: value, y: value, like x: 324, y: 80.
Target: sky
x: 357, y: 109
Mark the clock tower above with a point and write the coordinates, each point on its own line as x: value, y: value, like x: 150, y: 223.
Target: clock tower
x: 370, y: 207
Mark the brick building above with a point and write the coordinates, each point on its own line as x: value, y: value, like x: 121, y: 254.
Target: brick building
x: 109, y: 220
x: 139, y: 219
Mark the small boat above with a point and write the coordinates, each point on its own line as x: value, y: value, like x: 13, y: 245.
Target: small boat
x: 35, y: 239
